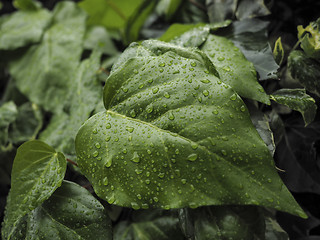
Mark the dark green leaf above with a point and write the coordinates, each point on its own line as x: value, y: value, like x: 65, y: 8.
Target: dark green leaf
x: 87, y: 92
x: 234, y: 69
x: 38, y: 170
x: 97, y: 37
x: 221, y: 10
x: 306, y: 70
x: 23, y: 28
x: 150, y: 225
x: 43, y: 73
x: 8, y: 114
x: 278, y: 51
x: 273, y: 230
x: 70, y: 213
x: 174, y: 135
x: 310, y: 39
x: 251, y: 9
x: 26, y: 5
x: 298, y: 100
x: 250, y: 36
x: 191, y: 12
x: 136, y: 21
x: 168, y: 8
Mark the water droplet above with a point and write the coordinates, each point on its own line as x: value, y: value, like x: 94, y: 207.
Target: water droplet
x: 205, y: 93
x: 177, y: 151
x: 269, y: 180
x: 108, y: 125
x: 220, y: 59
x: 184, y: 181
x: 135, y: 206
x: 111, y: 199
x: 108, y: 163
x: 166, y: 95
x: 161, y: 175
x: 155, y: 199
x: 108, y: 138
x: 94, y: 131
x: 130, y: 129
x: 193, y: 64
x: 105, y: 181
x: 224, y: 152
x: 95, y: 153
x: 224, y: 138
x: 162, y: 65
x: 149, y: 109
x: 139, y: 196
x: 125, y: 90
x: 147, y: 181
x: 192, y: 157
x: 155, y: 90
x: 205, y: 80
x: 133, y: 113
x: 138, y: 171
x: 97, y: 145
x: 215, y: 111
x: 233, y: 97
x: 171, y: 116
x: 135, y: 158
x: 194, y: 145
x: 243, y: 108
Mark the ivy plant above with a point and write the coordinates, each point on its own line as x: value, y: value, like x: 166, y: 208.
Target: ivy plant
x: 176, y: 140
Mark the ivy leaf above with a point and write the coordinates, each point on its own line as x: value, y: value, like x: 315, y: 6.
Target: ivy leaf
x: 57, y: 56
x: 174, y: 136
x: 298, y: 100
x: 306, y: 70
x: 278, y: 51
x: 148, y: 226
x: 234, y: 69
x: 8, y: 114
x: 70, y: 213
x: 310, y: 39
x: 38, y: 170
x: 61, y: 131
x: 22, y: 28
x: 168, y: 8
x: 251, y: 9
x: 221, y: 10
x: 250, y: 36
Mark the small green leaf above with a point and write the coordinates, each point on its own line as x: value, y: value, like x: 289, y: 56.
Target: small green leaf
x: 298, y: 100
x: 38, y: 170
x: 47, y: 82
x: 251, y: 9
x: 149, y: 225
x: 136, y: 21
x: 168, y: 8
x: 70, y: 213
x: 174, y: 136
x: 23, y: 28
x: 306, y: 70
x: 278, y: 51
x: 26, y: 5
x: 310, y: 39
x: 234, y: 69
x: 221, y: 10
x: 8, y: 114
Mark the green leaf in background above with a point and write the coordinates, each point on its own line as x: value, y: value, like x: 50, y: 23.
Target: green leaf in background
x: 136, y: 21
x: 251, y: 9
x: 278, y: 51
x: 234, y: 69
x: 149, y: 225
x: 168, y: 8
x: 250, y: 36
x: 47, y: 82
x: 8, y: 114
x: 98, y: 37
x: 310, y: 39
x: 305, y: 70
x: 174, y: 136
x: 26, y: 5
x: 22, y: 28
x: 27, y: 125
x: 87, y: 92
x: 298, y: 100
x: 70, y: 213
x: 38, y: 170
x: 221, y: 10
x: 112, y: 14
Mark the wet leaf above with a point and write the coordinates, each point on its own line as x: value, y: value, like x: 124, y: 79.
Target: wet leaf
x: 298, y: 100
x: 70, y: 213
x: 278, y: 51
x: 306, y: 70
x: 234, y: 69
x: 22, y: 28
x: 174, y: 136
x: 57, y: 56
x: 61, y: 131
x: 150, y: 225
x: 38, y: 170
x: 8, y: 114
x: 310, y: 39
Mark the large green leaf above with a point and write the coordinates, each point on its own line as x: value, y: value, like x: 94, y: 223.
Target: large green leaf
x: 234, y: 69
x: 174, y: 135
x: 8, y: 114
x: 43, y: 73
x: 38, y: 170
x: 61, y: 131
x: 70, y: 213
x: 306, y: 70
x: 298, y: 100
x: 22, y: 28
x: 149, y: 225
x: 310, y: 38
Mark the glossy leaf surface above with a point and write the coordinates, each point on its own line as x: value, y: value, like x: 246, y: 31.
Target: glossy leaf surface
x: 306, y: 70
x: 23, y: 28
x: 234, y: 69
x: 298, y: 100
x: 58, y: 55
x: 38, y: 170
x: 174, y: 135
x: 70, y: 213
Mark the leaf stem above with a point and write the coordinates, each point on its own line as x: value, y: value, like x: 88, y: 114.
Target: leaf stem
x: 117, y: 10
x: 72, y: 162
